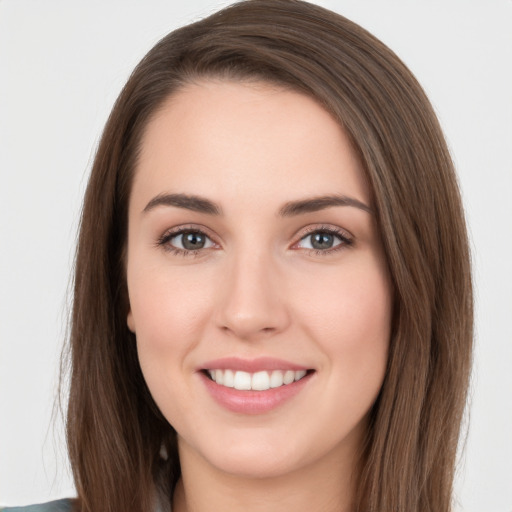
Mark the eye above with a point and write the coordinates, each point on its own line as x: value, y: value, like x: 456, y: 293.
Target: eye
x: 186, y: 241
x: 324, y: 240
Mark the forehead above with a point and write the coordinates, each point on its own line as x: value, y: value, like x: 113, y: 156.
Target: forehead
x: 227, y: 139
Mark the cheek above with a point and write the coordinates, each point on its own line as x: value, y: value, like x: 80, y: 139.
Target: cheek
x: 352, y: 328
x: 168, y: 310
x: 348, y: 314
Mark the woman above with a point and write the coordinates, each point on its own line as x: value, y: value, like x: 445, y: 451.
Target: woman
x: 272, y: 288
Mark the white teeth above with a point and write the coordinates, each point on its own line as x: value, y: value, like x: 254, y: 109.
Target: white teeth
x: 259, y: 381
x: 289, y: 377
x: 299, y: 374
x: 276, y: 379
x: 242, y: 381
x: 229, y: 378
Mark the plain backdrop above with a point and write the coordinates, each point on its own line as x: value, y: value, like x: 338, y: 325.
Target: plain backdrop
x: 62, y: 64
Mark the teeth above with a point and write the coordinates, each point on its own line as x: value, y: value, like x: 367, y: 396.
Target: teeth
x: 259, y: 381
x: 276, y: 379
x: 242, y: 381
x: 289, y: 377
x: 298, y: 375
x: 228, y: 379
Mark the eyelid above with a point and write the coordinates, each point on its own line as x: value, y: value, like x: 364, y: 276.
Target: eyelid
x: 347, y: 239
x: 198, y: 228
x: 169, y: 234
x: 323, y: 228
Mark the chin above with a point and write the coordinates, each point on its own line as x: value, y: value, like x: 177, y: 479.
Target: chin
x: 257, y: 454
x: 256, y: 462
x: 262, y: 453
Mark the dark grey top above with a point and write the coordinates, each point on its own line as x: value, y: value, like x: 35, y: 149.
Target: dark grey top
x: 63, y: 505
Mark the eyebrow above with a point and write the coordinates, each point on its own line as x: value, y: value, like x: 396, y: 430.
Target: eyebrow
x: 289, y: 209
x: 315, y: 204
x: 189, y: 202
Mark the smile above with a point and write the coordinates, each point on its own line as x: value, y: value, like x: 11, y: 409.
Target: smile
x: 259, y: 381
x: 254, y: 386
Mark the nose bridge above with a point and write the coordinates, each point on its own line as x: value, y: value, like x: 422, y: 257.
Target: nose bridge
x: 253, y: 302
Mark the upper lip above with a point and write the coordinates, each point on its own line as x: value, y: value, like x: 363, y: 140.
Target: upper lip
x: 251, y: 365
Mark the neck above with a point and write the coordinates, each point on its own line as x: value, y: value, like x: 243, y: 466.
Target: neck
x: 325, y: 485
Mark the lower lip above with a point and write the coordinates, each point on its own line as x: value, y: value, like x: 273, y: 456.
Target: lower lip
x: 253, y: 402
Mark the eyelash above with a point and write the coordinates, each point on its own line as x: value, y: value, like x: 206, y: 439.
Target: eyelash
x: 345, y: 239
x: 343, y: 236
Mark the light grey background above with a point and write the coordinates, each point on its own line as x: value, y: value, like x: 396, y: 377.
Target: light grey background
x: 62, y: 64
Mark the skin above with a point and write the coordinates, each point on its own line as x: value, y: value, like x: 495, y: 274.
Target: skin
x: 258, y: 289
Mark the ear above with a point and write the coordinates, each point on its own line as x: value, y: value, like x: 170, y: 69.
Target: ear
x: 130, y: 321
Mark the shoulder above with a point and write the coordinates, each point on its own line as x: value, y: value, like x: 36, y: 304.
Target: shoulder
x: 64, y: 505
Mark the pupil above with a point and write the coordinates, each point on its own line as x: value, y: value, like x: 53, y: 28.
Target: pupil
x: 193, y: 241
x: 322, y: 241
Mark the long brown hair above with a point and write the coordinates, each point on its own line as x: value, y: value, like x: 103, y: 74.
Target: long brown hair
x: 115, y: 431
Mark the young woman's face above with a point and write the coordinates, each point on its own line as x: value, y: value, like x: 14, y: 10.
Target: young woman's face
x: 259, y: 292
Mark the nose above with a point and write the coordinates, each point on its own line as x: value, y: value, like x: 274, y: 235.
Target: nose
x: 253, y: 299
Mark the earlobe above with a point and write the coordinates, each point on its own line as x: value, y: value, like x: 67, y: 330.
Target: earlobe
x: 130, y: 322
